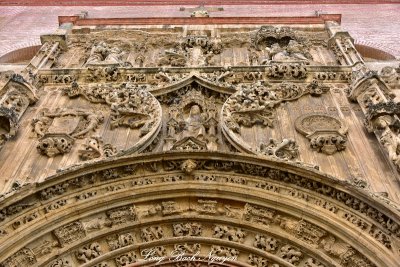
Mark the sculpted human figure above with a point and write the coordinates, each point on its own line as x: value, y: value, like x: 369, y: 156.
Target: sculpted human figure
x: 98, y: 53
x: 194, y: 123
x: 114, y: 56
x: 295, y: 50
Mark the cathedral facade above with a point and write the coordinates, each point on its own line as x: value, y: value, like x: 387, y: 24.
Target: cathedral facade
x: 200, y: 141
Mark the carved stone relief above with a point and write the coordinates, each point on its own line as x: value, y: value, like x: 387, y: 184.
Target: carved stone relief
x: 59, y: 128
x: 15, y: 97
x: 130, y: 106
x: 255, y: 106
x: 95, y: 148
x: 280, y: 45
x: 193, y: 119
x: 327, y: 134
x: 103, y: 54
x: 286, y: 150
x: 224, y: 204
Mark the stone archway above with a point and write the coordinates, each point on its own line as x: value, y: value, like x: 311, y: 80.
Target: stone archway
x: 273, y: 213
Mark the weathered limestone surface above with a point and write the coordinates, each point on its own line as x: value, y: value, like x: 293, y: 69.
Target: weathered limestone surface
x: 269, y: 145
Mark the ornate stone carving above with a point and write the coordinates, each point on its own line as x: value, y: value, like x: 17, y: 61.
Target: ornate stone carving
x: 227, y: 252
x: 119, y: 241
x: 174, y: 57
x: 58, y: 129
x: 258, y: 214
x: 303, y: 230
x: 131, y: 105
x: 187, y: 229
x: 192, y: 123
x: 15, y: 97
x: 280, y: 44
x: 88, y: 252
x: 70, y: 233
x: 207, y: 206
x: 126, y: 259
x: 391, y: 76
x: 281, y: 71
x: 151, y: 233
x: 257, y: 261
x: 379, y: 116
x: 229, y: 233
x: 290, y: 254
x: 327, y: 134
x: 44, y: 248
x: 266, y: 243
x: 95, y: 148
x: 310, y: 262
x: 23, y: 257
x: 187, y: 248
x: 256, y: 105
x: 286, y: 150
x: 13, y: 209
x: 122, y: 215
x: 202, y: 49
x: 60, y: 263
x: 103, y: 54
x: 391, y: 141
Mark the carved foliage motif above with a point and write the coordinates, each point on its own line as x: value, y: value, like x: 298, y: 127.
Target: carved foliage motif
x: 256, y: 104
x: 187, y: 229
x: 88, y: 252
x: 126, y: 259
x: 119, y: 241
x: 23, y: 257
x: 286, y: 150
x: 58, y: 129
x: 95, y: 148
x: 131, y: 105
x: 327, y: 134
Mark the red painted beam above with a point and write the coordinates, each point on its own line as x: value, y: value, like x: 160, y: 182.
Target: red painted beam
x: 199, y: 21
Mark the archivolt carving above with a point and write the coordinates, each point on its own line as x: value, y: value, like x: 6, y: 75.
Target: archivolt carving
x: 327, y: 134
x: 236, y: 223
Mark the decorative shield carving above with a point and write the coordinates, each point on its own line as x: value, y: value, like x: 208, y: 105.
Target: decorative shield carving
x: 58, y: 129
x: 327, y: 134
